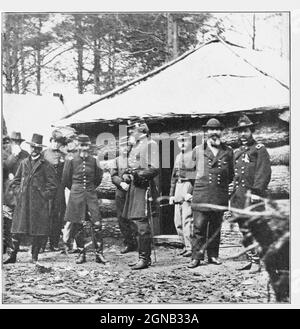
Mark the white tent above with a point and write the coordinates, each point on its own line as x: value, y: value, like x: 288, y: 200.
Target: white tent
x: 215, y: 78
x: 30, y: 114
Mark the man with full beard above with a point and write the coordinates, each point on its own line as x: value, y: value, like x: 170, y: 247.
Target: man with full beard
x: 214, y: 172
x: 252, y: 173
x: 35, y: 183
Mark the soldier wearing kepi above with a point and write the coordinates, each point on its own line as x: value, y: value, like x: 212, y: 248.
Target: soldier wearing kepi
x: 143, y: 165
x: 82, y: 176
x: 252, y: 171
x: 214, y: 172
x: 35, y: 184
x: 127, y: 227
x: 181, y: 190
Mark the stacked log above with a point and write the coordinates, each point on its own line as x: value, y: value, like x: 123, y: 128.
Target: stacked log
x: 271, y: 131
x: 279, y: 185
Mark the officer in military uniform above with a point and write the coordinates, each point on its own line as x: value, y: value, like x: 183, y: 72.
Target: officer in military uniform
x: 252, y: 171
x: 143, y: 163
x: 82, y: 176
x: 127, y: 227
x: 181, y: 190
x: 214, y: 172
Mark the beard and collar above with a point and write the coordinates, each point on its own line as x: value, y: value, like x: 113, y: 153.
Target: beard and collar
x: 83, y: 154
x: 246, y: 141
x: 34, y: 156
x: 214, y: 140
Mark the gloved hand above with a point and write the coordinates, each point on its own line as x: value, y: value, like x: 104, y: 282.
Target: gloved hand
x: 171, y: 200
x: 124, y: 186
x: 230, y: 188
x: 188, y: 197
x: 127, y: 178
x: 15, y: 149
x: 11, y: 176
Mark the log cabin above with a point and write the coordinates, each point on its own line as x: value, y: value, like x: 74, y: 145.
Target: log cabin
x: 217, y: 79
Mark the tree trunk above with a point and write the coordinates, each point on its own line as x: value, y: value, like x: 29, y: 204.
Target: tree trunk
x: 7, y: 55
x: 253, y: 31
x: 38, y: 72
x: 79, y: 49
x: 22, y: 65
x: 172, y: 46
x: 111, y: 64
x: 15, y: 54
x: 38, y: 61
x: 97, y: 67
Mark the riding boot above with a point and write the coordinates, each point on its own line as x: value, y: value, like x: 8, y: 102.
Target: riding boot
x: 12, y: 258
x: 81, y: 258
x: 35, y: 253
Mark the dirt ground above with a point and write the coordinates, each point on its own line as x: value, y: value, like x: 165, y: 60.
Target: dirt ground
x: 60, y: 281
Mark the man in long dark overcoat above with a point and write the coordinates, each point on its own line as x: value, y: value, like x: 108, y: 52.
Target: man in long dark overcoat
x: 252, y: 172
x: 10, y: 165
x: 56, y: 157
x: 214, y: 173
x: 143, y: 163
x: 82, y: 176
x: 35, y: 185
x: 119, y: 166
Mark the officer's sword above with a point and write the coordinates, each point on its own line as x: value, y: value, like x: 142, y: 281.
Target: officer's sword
x: 150, y: 199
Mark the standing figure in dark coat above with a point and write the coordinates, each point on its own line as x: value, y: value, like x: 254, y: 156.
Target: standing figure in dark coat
x: 56, y: 157
x: 252, y: 172
x: 143, y: 163
x: 214, y: 173
x: 82, y: 176
x: 35, y: 185
x: 12, y: 160
x: 127, y: 227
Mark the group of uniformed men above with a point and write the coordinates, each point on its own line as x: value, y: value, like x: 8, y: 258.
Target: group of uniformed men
x: 35, y: 184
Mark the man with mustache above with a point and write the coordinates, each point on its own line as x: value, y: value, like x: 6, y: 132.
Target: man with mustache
x: 127, y: 226
x: 214, y: 172
x: 35, y: 185
x: 82, y: 176
x: 13, y: 155
x: 54, y: 154
x: 142, y: 170
x: 252, y: 172
x: 182, y: 180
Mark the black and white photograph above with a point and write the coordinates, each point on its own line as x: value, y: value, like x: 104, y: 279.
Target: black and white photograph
x: 146, y: 158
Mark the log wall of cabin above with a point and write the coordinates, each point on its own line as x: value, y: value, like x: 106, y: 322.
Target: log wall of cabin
x: 272, y: 131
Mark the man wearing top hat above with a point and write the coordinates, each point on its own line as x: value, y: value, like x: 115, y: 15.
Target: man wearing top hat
x: 81, y: 176
x: 143, y: 164
x: 16, y: 150
x: 15, y: 154
x: 252, y: 172
x: 11, y: 163
x: 35, y: 184
x: 181, y: 190
x: 119, y: 167
x: 55, y: 155
x: 214, y: 172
